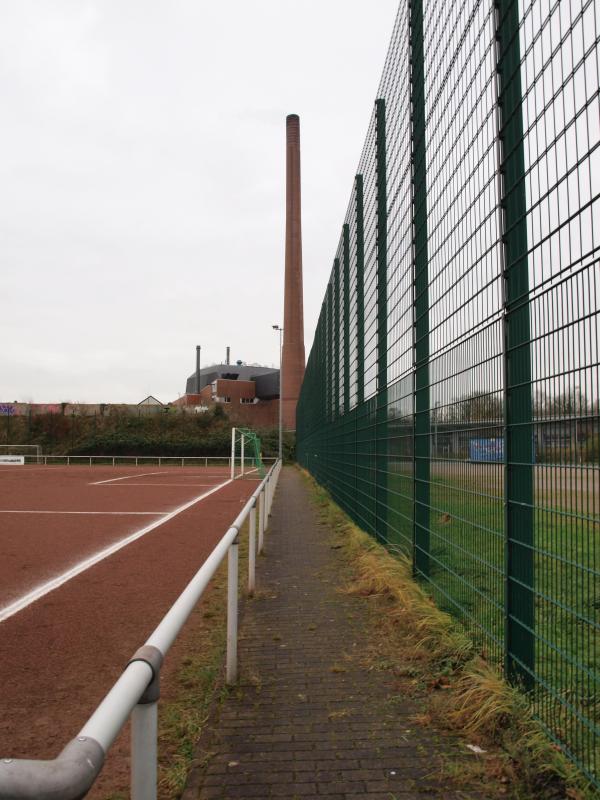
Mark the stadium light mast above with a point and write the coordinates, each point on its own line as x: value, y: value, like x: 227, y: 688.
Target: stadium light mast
x: 280, y: 329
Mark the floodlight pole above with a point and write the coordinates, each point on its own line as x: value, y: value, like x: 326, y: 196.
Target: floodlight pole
x: 280, y: 329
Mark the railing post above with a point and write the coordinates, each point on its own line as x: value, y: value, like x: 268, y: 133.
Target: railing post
x: 144, y: 734
x: 232, y: 453
x: 242, y: 454
x: 232, y: 611
x: 261, y: 521
x: 252, y: 551
x: 144, y: 730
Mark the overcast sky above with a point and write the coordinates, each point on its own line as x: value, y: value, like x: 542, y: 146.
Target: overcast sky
x: 142, y: 166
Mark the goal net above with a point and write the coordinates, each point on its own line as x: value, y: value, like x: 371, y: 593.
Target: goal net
x: 246, y: 456
x: 32, y: 453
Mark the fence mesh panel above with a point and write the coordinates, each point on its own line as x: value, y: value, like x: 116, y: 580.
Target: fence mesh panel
x: 451, y: 396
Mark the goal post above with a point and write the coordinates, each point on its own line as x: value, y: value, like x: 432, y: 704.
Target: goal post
x: 32, y: 453
x: 246, y: 455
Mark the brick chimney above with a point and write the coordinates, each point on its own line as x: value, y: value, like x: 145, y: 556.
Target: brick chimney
x: 293, y: 315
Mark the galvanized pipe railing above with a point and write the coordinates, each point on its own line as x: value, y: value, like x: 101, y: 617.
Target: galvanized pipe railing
x: 71, y: 775
x: 134, y: 461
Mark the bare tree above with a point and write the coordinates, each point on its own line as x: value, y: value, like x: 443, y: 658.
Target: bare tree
x: 479, y: 407
x: 571, y: 403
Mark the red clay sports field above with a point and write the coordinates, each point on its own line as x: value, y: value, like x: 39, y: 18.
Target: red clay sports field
x: 92, y: 558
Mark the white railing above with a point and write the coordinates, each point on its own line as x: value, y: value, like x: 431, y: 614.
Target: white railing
x: 131, y: 461
x: 136, y: 693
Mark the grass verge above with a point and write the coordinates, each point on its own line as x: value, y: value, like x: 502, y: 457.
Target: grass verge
x: 435, y: 660
x: 196, y: 688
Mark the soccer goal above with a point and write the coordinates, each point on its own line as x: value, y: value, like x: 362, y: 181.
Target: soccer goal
x: 31, y: 453
x: 246, y: 455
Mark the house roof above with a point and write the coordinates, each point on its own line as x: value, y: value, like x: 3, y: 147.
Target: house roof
x: 150, y: 401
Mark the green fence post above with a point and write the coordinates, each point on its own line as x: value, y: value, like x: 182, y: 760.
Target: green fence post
x: 381, y: 443
x: 331, y: 367
x: 348, y: 449
x: 518, y: 478
x: 336, y: 335
x: 422, y: 449
x: 360, y: 292
x: 330, y: 384
x: 360, y: 325
x: 346, y: 267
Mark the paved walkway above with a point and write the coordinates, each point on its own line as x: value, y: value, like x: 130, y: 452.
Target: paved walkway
x: 310, y: 721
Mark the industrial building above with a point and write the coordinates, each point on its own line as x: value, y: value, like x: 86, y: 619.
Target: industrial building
x: 249, y: 393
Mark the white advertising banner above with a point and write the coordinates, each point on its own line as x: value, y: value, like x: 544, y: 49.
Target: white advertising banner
x: 11, y: 460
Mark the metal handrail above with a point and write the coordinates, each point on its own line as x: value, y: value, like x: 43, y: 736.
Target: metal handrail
x: 72, y: 773
x: 122, y: 460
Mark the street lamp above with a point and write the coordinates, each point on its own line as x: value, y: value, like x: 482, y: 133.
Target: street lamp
x: 280, y: 329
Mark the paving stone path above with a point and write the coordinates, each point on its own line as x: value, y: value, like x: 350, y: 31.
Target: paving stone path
x: 309, y: 719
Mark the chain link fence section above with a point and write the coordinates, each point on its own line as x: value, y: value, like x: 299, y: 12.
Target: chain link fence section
x: 451, y: 397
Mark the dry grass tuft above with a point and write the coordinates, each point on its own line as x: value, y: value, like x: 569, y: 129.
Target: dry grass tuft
x: 428, y: 634
x: 483, y: 703
x: 339, y: 714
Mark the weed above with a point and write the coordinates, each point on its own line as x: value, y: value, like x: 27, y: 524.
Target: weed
x: 197, y: 687
x: 339, y: 714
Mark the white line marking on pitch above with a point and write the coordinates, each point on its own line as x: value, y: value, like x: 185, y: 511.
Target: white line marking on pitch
x: 125, y: 477
x: 185, y: 485
x: 82, y: 566
x: 203, y: 474
x: 116, y: 513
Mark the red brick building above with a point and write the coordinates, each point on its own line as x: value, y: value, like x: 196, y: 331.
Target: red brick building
x: 249, y: 394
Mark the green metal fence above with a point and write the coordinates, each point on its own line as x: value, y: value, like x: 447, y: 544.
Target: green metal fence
x: 451, y: 396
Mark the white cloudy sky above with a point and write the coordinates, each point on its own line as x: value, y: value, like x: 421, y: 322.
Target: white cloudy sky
x: 142, y: 166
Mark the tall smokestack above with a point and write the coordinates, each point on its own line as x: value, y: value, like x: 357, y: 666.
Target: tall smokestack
x: 293, y: 315
x: 197, y: 369
x: 227, y: 355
